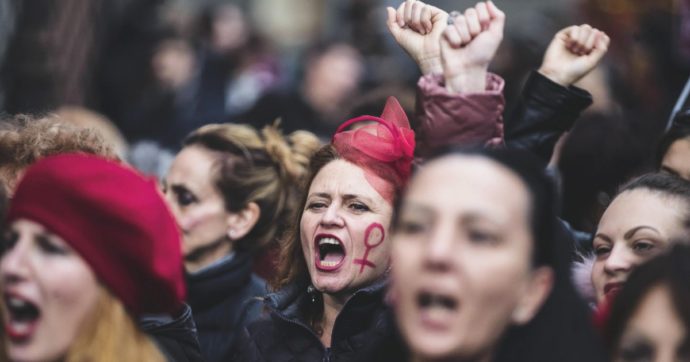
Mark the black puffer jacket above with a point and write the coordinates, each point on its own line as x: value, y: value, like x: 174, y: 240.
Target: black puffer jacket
x: 545, y: 110
x: 363, y: 326
x: 175, y: 336
x: 220, y: 297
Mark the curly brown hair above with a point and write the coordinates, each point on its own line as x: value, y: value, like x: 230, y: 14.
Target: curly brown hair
x: 25, y: 139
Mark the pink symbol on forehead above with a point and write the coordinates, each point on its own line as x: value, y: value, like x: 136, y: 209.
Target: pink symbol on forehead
x: 373, y: 237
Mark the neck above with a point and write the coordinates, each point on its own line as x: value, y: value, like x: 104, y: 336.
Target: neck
x: 332, y: 305
x: 204, y: 256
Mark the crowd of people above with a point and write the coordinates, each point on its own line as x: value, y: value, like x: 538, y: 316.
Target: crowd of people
x: 425, y: 232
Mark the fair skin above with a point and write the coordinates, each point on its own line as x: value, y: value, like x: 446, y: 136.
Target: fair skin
x: 462, y: 251
x: 200, y: 210
x: 675, y: 160
x: 573, y: 53
x: 333, y: 77
x: 48, y: 293
x: 338, y: 216
x: 461, y: 51
x: 655, y: 332
x: 636, y: 226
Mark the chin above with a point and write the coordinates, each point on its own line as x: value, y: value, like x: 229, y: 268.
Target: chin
x: 329, y: 284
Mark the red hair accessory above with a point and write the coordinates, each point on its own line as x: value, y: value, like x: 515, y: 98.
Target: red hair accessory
x: 115, y: 219
x: 385, y: 149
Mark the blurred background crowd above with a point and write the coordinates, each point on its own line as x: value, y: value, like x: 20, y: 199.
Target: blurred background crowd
x: 158, y: 69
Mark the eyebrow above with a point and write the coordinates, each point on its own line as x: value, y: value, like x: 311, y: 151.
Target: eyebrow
x: 603, y: 236
x: 178, y: 188
x: 346, y: 197
x: 669, y: 170
x: 632, y: 231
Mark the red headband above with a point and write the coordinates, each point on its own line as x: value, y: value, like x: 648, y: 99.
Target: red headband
x: 384, y: 150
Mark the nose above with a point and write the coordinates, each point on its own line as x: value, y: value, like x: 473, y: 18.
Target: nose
x: 620, y: 260
x: 331, y: 217
x: 13, y: 264
x: 439, y: 247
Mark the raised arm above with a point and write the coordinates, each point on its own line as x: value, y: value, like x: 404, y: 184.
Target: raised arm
x: 417, y: 28
x: 549, y: 103
x: 461, y: 103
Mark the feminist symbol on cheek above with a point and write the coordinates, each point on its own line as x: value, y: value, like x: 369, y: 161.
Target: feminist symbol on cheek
x: 373, y: 237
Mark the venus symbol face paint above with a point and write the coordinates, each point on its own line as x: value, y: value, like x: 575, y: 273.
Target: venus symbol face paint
x: 343, y: 229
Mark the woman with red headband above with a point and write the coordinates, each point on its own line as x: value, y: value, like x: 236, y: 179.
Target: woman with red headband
x: 90, y: 247
x: 331, y: 279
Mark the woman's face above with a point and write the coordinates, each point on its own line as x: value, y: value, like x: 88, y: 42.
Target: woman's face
x: 655, y: 331
x: 344, y: 230
x: 636, y: 226
x: 675, y: 160
x: 196, y: 203
x: 48, y: 292
x: 462, y: 258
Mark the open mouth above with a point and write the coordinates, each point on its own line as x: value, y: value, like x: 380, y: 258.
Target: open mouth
x: 22, y: 316
x: 330, y: 252
x: 436, y: 310
x: 428, y: 300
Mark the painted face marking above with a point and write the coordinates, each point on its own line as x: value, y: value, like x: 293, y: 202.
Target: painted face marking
x: 373, y: 237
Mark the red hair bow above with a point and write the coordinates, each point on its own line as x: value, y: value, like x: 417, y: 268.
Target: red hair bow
x: 385, y: 148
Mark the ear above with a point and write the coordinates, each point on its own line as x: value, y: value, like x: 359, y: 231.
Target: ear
x: 242, y: 222
x: 537, y: 290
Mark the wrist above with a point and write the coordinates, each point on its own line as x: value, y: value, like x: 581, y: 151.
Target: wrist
x: 556, y: 77
x: 430, y: 65
x: 468, y: 81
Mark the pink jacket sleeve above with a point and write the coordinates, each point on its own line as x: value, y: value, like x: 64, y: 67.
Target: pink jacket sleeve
x: 445, y: 119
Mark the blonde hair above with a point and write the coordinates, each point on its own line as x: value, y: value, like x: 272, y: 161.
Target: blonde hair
x: 264, y: 167
x: 110, y: 334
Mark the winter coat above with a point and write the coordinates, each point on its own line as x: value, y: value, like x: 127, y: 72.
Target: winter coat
x: 364, y: 324
x: 176, y: 337
x: 220, y: 297
x: 544, y: 111
x: 446, y: 119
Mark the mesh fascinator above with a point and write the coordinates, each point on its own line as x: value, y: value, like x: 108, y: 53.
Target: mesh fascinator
x: 382, y: 146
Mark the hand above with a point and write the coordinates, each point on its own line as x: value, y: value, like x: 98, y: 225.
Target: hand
x: 417, y: 27
x: 573, y: 53
x: 469, y: 45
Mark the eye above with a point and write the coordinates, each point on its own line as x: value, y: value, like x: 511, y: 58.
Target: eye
x: 49, y: 246
x: 409, y: 227
x: 359, y: 207
x: 185, y: 198
x: 636, y: 352
x: 602, y: 250
x: 316, y: 205
x: 480, y: 236
x: 643, y: 246
x: 9, y: 240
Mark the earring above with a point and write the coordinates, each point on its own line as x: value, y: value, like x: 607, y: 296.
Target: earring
x: 311, y: 291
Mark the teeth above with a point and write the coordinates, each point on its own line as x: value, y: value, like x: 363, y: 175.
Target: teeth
x: 329, y: 263
x: 16, y: 303
x: 330, y: 241
x: 20, y: 327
